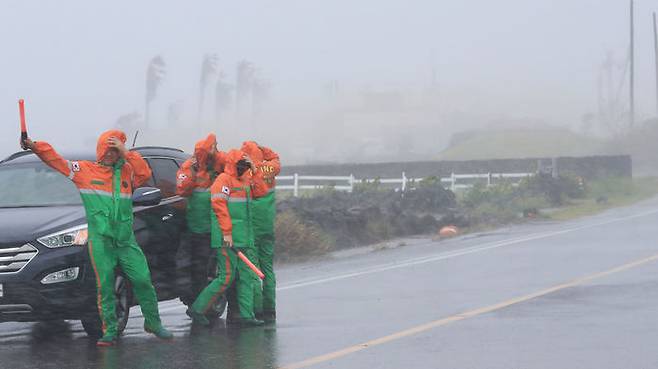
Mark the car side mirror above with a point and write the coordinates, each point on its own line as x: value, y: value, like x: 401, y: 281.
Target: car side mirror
x: 147, y: 196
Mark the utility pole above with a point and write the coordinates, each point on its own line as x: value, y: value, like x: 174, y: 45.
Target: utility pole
x: 609, y: 67
x: 655, y: 48
x: 632, y: 77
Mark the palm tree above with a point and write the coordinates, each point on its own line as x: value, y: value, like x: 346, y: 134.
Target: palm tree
x: 155, y: 73
x: 223, y: 96
x: 208, y: 69
x: 174, y: 113
x: 243, y: 84
x: 260, y: 93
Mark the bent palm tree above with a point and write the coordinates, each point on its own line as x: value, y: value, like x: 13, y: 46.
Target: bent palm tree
x: 223, y: 96
x: 261, y: 92
x: 155, y: 73
x: 243, y: 84
x: 208, y: 68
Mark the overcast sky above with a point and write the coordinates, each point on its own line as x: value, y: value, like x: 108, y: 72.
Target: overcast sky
x: 81, y: 63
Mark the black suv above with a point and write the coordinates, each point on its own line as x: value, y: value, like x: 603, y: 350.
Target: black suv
x: 45, y: 272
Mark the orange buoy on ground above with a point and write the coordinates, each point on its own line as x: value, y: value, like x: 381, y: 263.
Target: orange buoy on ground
x: 449, y: 231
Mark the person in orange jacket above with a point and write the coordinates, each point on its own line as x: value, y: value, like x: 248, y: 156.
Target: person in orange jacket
x: 106, y: 190
x: 193, y: 181
x: 264, y: 214
x: 232, y: 227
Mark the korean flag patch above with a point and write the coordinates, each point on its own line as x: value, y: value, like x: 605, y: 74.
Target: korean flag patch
x: 75, y: 166
x: 182, y: 176
x: 226, y: 191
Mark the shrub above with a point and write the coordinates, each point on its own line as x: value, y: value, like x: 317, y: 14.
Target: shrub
x: 296, y: 239
x: 505, y: 201
x: 428, y: 196
x: 610, y: 187
x: 364, y: 186
x: 555, y: 190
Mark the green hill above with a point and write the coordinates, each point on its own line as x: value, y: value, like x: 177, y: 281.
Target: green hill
x: 520, y: 144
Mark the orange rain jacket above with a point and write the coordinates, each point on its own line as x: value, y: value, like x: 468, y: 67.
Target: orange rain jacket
x: 231, y: 202
x: 106, y: 191
x: 196, y: 184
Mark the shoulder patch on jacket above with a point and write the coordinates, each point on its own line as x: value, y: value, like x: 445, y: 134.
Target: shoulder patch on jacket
x: 226, y: 190
x: 75, y: 166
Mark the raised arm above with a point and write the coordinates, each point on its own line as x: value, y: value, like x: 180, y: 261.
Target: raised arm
x: 220, y: 161
x: 141, y: 170
x: 185, y: 178
x: 271, y: 159
x: 51, y: 158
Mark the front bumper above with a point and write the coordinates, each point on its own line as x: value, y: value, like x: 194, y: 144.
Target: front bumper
x: 26, y: 299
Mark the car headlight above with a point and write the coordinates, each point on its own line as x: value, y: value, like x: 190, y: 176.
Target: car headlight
x: 68, y: 237
x: 65, y: 275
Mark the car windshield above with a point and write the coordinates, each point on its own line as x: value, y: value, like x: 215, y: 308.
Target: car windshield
x: 35, y: 184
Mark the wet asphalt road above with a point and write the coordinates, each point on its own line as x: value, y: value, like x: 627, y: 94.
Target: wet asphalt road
x: 579, y: 294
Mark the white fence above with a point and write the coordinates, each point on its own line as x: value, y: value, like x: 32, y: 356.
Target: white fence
x: 346, y: 183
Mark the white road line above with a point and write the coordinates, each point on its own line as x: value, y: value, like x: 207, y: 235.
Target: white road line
x: 443, y: 256
x: 452, y: 254
x: 409, y: 332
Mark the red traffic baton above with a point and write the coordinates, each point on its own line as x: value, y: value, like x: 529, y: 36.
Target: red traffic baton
x: 21, y: 111
x: 248, y: 262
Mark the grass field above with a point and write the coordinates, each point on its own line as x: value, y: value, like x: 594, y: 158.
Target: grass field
x: 606, y: 194
x: 522, y: 144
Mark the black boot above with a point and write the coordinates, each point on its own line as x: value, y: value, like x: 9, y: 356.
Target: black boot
x: 197, y: 318
x: 240, y: 322
x: 269, y: 316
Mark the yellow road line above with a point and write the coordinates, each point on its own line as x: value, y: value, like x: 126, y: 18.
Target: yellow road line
x: 465, y: 315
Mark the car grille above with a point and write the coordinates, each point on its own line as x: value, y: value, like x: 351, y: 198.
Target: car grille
x: 14, y: 258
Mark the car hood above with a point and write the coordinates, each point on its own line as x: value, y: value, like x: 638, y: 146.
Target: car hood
x: 29, y: 223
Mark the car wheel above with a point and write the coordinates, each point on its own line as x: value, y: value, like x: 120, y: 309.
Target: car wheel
x: 123, y: 297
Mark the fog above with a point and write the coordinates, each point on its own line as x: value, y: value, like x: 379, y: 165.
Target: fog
x: 329, y: 81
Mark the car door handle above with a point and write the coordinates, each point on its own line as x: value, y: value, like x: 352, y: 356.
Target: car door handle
x: 166, y: 217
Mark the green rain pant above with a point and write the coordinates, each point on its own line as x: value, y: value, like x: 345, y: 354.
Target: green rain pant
x: 265, y: 297
x: 264, y: 213
x: 230, y: 269
x: 105, y: 256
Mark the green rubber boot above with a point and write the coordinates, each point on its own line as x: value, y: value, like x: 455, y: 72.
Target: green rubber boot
x: 160, y: 332
x: 107, y: 341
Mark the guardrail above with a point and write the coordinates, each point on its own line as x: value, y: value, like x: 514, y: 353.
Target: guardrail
x: 404, y: 181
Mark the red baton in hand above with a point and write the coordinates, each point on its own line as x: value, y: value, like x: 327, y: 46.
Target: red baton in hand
x: 249, y: 263
x: 21, y: 110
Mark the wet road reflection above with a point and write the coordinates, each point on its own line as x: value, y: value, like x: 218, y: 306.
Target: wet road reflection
x: 62, y: 344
